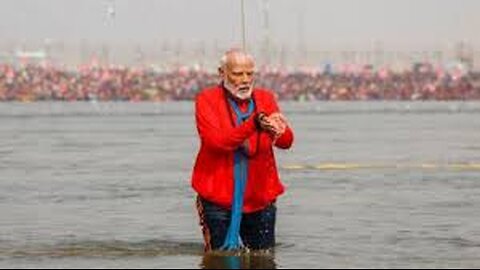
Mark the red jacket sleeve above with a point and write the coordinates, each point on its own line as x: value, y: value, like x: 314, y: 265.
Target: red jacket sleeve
x: 285, y: 141
x: 210, y: 131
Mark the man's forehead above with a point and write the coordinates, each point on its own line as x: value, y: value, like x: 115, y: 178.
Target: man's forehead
x: 240, y: 64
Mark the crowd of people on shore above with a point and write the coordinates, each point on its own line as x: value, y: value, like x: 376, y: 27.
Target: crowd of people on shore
x: 29, y: 83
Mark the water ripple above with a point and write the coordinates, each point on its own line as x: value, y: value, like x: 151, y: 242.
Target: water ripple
x: 113, y: 248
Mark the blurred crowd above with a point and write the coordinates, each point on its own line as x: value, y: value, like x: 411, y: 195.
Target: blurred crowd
x: 422, y: 82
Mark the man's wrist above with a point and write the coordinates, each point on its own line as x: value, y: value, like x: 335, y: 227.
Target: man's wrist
x: 258, y: 119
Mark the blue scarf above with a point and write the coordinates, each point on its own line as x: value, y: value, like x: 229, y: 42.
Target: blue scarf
x: 240, y: 175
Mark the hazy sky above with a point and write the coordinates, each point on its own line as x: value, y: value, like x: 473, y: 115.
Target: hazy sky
x: 398, y: 24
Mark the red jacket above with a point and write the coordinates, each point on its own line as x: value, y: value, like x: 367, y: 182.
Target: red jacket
x: 212, y: 176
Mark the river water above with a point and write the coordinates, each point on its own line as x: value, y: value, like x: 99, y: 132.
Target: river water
x: 369, y: 185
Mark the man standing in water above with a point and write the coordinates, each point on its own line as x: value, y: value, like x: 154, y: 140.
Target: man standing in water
x: 235, y: 174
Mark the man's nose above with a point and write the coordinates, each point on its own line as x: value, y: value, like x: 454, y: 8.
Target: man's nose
x: 245, y: 78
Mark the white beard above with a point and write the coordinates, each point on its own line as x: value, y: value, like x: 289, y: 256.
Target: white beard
x: 237, y: 92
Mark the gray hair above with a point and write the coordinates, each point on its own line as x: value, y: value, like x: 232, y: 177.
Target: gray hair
x: 230, y: 52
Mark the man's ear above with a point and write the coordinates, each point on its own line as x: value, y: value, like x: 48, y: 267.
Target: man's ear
x: 220, y: 71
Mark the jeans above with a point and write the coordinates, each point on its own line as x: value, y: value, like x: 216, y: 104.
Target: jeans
x: 257, y: 229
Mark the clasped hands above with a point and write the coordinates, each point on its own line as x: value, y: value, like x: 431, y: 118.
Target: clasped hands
x: 275, y: 123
